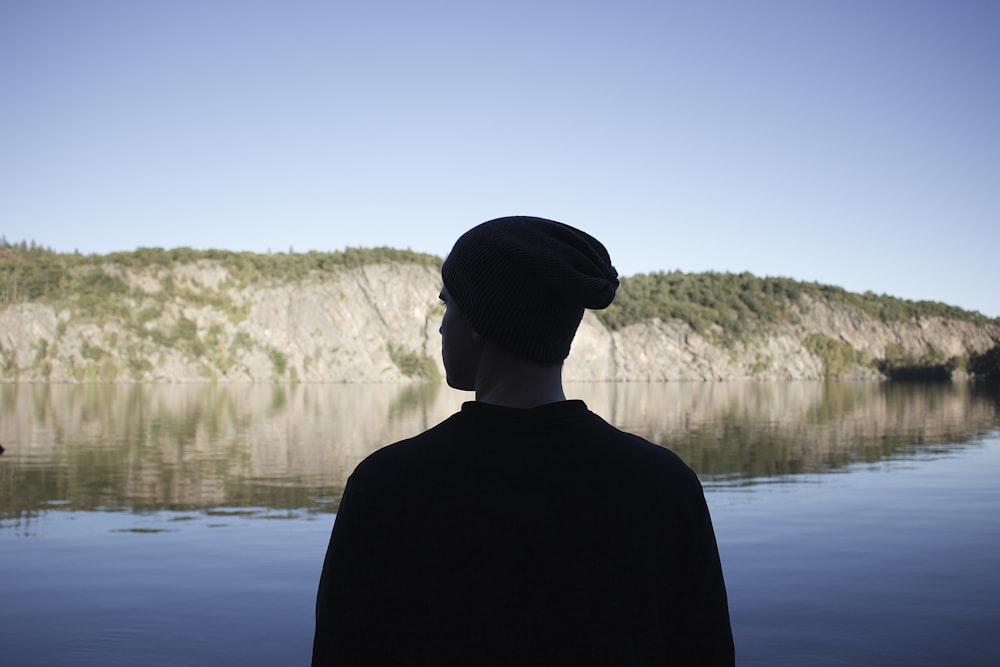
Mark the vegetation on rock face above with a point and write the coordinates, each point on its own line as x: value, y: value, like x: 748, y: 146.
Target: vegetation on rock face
x: 931, y: 365
x: 741, y: 303
x: 734, y: 307
x: 987, y: 364
x: 29, y: 272
x: 413, y: 364
x: 279, y: 360
x: 150, y: 297
x: 737, y: 303
x: 837, y: 356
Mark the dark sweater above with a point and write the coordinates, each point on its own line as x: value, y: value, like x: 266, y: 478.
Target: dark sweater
x: 510, y: 536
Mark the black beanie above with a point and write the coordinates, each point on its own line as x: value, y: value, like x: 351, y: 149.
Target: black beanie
x: 524, y: 282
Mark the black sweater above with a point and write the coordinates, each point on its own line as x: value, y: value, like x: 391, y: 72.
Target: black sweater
x: 523, y: 536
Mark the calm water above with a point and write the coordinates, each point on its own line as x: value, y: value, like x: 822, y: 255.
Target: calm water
x: 859, y: 524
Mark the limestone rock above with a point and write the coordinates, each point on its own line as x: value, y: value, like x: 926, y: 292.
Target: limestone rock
x: 379, y: 324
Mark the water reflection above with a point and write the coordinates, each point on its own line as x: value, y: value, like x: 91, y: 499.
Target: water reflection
x: 748, y: 431
x: 149, y: 447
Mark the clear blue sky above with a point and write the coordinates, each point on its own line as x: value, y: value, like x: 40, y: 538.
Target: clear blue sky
x: 850, y: 142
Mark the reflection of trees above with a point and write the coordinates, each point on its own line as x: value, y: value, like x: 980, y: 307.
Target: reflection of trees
x: 755, y: 430
x: 414, y: 398
x: 143, y: 447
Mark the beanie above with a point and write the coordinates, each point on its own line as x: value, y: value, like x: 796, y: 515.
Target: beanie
x: 523, y: 283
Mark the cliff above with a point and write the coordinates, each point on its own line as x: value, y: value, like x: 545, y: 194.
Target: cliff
x: 200, y: 320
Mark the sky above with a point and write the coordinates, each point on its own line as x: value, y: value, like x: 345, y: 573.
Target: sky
x: 848, y: 142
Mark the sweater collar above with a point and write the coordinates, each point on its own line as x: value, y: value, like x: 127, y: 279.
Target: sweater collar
x: 558, y: 410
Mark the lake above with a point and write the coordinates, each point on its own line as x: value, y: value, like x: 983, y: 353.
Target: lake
x: 859, y: 523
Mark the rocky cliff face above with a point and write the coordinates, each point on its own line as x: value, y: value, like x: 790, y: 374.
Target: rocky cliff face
x: 666, y: 351
x: 378, y: 324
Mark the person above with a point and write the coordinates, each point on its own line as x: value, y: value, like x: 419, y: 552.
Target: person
x: 524, y: 529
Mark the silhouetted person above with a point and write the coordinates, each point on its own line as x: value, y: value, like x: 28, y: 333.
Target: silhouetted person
x: 523, y: 529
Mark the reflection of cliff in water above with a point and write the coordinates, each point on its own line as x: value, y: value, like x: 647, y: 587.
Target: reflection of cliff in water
x: 754, y: 430
x: 199, y: 446
x: 147, y: 447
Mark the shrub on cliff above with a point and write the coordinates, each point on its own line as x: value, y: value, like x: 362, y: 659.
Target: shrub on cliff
x: 29, y: 272
x: 741, y: 303
x: 736, y: 302
x: 987, y: 364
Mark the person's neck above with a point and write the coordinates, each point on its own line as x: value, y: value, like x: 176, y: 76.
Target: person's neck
x: 507, y: 380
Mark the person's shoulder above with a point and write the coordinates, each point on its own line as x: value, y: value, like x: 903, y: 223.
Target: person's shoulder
x: 642, y: 453
x: 640, y: 445
x: 403, y: 455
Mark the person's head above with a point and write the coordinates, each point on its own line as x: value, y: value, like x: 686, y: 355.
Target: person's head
x: 523, y: 283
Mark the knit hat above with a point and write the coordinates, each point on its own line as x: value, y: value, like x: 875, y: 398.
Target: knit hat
x: 523, y: 283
